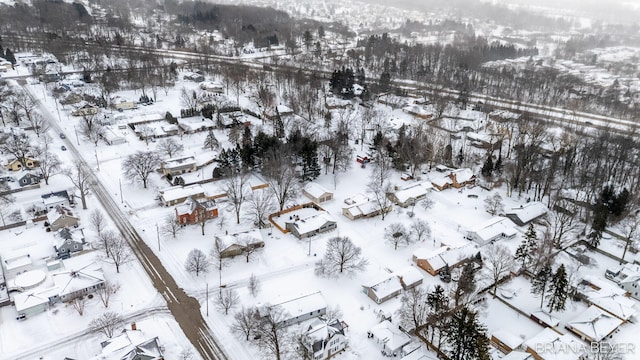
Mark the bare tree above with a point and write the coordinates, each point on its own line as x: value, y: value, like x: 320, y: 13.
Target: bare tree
x: 81, y: 179
x: 493, y: 204
x: 397, y: 234
x: 236, y: 188
x: 91, y: 131
x: 105, y: 292
x: 341, y: 256
x: 629, y: 227
x: 380, y: 191
x: 170, y: 147
x: 118, y: 250
x: 27, y: 104
x: 197, y: 262
x: 145, y: 132
x: 171, y: 226
x: 18, y: 146
x: 245, y: 322
x: 38, y: 123
x: 227, y: 299
x: 49, y: 164
x: 97, y: 221
x: 186, y: 354
x: 560, y: 224
x: 427, y: 203
x: 414, y: 311
x: 106, y: 323
x: 188, y: 99
x: 282, y: 180
x: 260, y: 205
x: 78, y: 304
x: 254, y: 285
x: 420, y: 230
x: 499, y: 262
x: 140, y: 165
x: 273, y: 334
x: 250, y: 247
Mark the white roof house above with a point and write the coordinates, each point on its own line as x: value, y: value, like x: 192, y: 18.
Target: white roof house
x: 317, y: 223
x: 549, y: 344
x: 317, y: 193
x: 195, y: 124
x: 526, y: 213
x: 409, y: 277
x: 111, y: 136
x: 178, y: 165
x: 383, y: 288
x: 434, y: 260
x: 506, y: 340
x: 177, y: 194
x: 130, y: 344
x: 593, y: 324
x: 491, y: 230
x: 34, y: 301
x: 368, y: 208
x: 390, y: 337
x: 607, y: 297
x: 410, y: 195
x: 300, y: 308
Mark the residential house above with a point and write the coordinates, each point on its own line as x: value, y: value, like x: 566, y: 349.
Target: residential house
x: 325, y: 338
x: 383, y: 288
x: 177, y: 194
x: 29, y: 179
x: 629, y: 280
x: 29, y: 163
x: 240, y: 241
x: 299, y: 309
x: 462, y: 177
x: 5, y: 65
x: 409, y: 277
x: 111, y: 136
x: 433, y: 261
x: 59, y: 218
x: 178, y: 165
x: 85, y: 110
x: 551, y: 344
x: 33, y: 302
x: 212, y: 87
x: 317, y: 193
x: 544, y: 319
x: 16, y: 263
x: 119, y: 103
x: 237, y: 249
x: 55, y: 199
x: 518, y: 355
x: 193, y: 76
x: 192, y: 211
x: 390, y: 337
x: 527, y: 213
x: 506, y: 341
x: 68, y: 242
x: 50, y: 76
x: 331, y: 102
x: 279, y: 110
x: 317, y: 223
x: 418, y: 111
x: 361, y: 207
x: 410, y: 195
x: 442, y: 182
x: 76, y: 279
x: 606, y: 296
x: 494, y: 229
x: 593, y: 325
x: 193, y: 124
x: 131, y: 344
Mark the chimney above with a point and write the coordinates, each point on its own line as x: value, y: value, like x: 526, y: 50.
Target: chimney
x: 133, y: 326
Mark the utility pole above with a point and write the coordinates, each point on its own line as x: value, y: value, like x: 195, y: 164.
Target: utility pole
x: 158, y: 235
x: 207, y: 299
x: 120, y: 183
x: 95, y: 151
x: 76, y: 130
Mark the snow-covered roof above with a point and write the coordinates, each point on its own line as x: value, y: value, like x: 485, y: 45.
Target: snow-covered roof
x: 494, y: 227
x: 546, y: 318
x: 463, y: 175
x: 111, y: 136
x: 385, y: 286
x: 313, y: 222
x: 552, y: 345
x: 413, y: 192
x: 441, y: 181
x: 28, y: 300
x: 145, y: 118
x: 409, y: 275
x: 11, y: 263
x: 607, y: 296
x: 518, y: 355
x: 390, y: 335
x: 594, y: 323
x: 529, y: 211
x: 180, y: 161
x: 178, y: 192
x: 303, y: 304
x: 196, y: 123
x: 128, y: 345
x: 508, y: 338
x: 446, y: 255
x: 77, y: 276
x: 316, y: 190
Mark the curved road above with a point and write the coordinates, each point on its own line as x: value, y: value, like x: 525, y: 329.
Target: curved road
x: 184, y: 308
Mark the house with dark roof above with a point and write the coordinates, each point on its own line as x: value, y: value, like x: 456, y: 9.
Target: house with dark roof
x: 60, y: 217
x: 29, y: 179
x: 68, y: 242
x: 131, y: 344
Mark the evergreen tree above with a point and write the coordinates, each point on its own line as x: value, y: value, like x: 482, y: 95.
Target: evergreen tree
x: 498, y: 165
x: 467, y: 337
x: 445, y: 274
x: 9, y: 56
x: 487, y: 168
x: 528, y: 246
x: 385, y: 82
x: 307, y: 38
x: 460, y: 157
x: 558, y: 288
x: 321, y: 31
x: 541, y: 282
x: 309, y: 155
x: 598, y: 225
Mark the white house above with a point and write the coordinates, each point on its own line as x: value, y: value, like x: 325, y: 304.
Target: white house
x: 410, y: 195
x: 383, y: 288
x: 593, y: 325
x: 299, y: 309
x: 606, y: 296
x: 390, y: 337
x: 316, y: 224
x: 494, y: 229
x: 130, y: 344
x: 550, y: 344
x: 111, y: 136
x: 317, y: 193
x: 526, y: 213
x: 325, y: 338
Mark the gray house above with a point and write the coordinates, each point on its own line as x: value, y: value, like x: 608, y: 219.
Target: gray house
x: 29, y: 179
x: 68, y: 242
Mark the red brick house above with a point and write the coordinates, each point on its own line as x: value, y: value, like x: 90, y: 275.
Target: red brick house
x: 193, y: 211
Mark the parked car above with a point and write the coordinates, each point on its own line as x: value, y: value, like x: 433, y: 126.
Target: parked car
x: 62, y: 136
x: 63, y: 148
x: 21, y: 317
